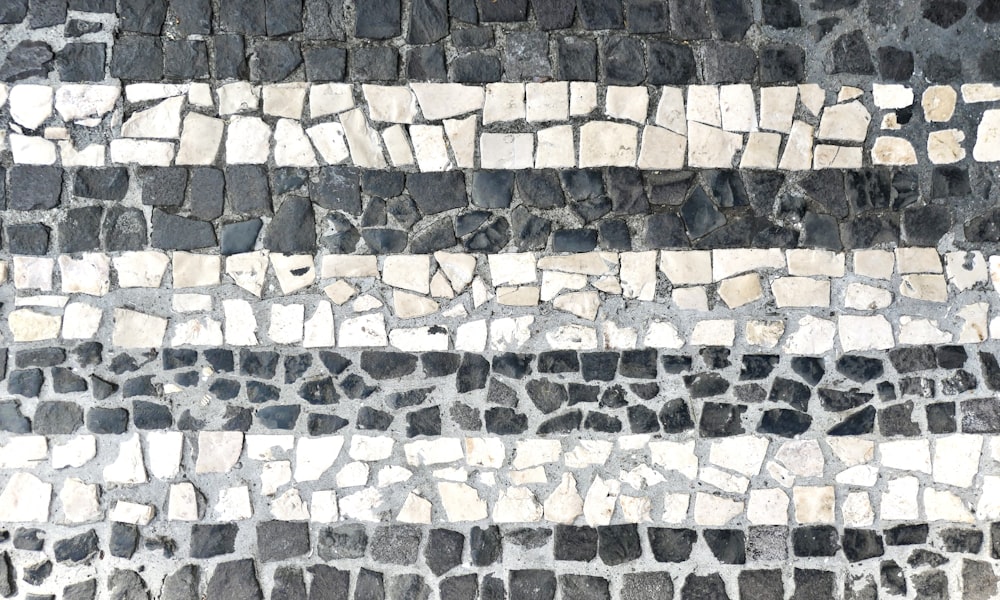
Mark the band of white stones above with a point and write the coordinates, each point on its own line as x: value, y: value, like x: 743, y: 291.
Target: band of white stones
x: 474, y: 302
x: 636, y: 479
x: 438, y: 126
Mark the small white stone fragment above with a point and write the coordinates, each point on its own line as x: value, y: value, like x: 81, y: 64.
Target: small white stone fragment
x: 363, y: 140
x: 845, y: 122
x: 767, y: 507
x: 182, y: 504
x: 353, y: 474
x: 461, y: 502
x: 294, y: 271
x: 815, y: 262
x: 629, y: 103
x: 777, y: 107
x: 891, y: 96
x: 430, y: 148
x: 164, y: 452
x: 140, y: 269
x: 329, y: 141
x: 218, y: 451
x: 202, y: 331
x: 442, y: 100
x: 814, y: 504
x: 864, y: 333
x: 472, y: 336
x: 675, y: 508
x: 988, y: 507
x: 906, y: 455
x: 291, y: 146
x: 31, y: 150
x: 504, y: 102
x: 363, y: 331
x: 263, y: 447
x: 829, y: 156
x: 713, y: 332
x: 184, y: 303
x: 330, y: 98
x: 507, y: 150
x: 946, y: 506
x: 761, y: 151
x: 516, y: 505
x: 31, y: 326
x: 918, y: 331
x: 703, y: 105
x: 675, y: 456
x: 893, y: 151
x: 200, y: 140
x: 938, y: 102
x: 931, y: 288
x: 415, y: 510
x: 75, y: 452
x: 75, y: 101
x: 547, y: 101
x: 241, y: 324
x: 564, y: 504
x: 687, y: 267
x: 582, y: 98
x: 877, y: 264
x: 319, y: 328
x: 162, y: 121
x: 974, y: 326
x: 23, y: 452
x: 987, y: 148
x: 859, y: 475
x: 233, y: 504
x: 25, y: 498
x: 899, y: 500
x: 607, y: 144
x: 800, y: 292
x: 433, y: 452
x: 313, y: 456
x: 865, y: 297
x: 30, y: 105
x: 289, y: 506
x: 324, y: 507
x: 798, y: 149
x: 599, y: 503
x: 726, y: 263
x: 714, y: 511
x: 945, y: 147
x: 812, y: 337
x: 361, y: 505
x: 128, y: 468
x: 237, y: 97
x: 857, y: 510
x: 727, y: 482
x: 556, y: 149
x: 462, y: 137
x: 512, y: 268
x: 80, y: 502
x: 737, y: 107
x: 134, y: 329
x: 248, y: 140
x: 142, y: 152
x: 286, y: 323
x: 956, y: 459
x: 711, y: 147
x: 690, y: 298
x: 284, y: 100
x: 737, y: 291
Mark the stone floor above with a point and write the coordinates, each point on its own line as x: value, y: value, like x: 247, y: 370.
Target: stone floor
x: 499, y: 299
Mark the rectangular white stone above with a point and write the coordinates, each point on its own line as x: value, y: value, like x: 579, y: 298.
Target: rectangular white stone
x: 556, y: 148
x: 777, y: 106
x: 547, y: 101
x: 737, y: 106
x: 703, y: 105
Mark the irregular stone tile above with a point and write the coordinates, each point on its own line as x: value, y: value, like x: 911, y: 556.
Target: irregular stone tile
x: 610, y: 144
x: 133, y: 329
x: 443, y: 100
x: 938, y: 103
x: 128, y: 468
x: 945, y: 147
x: 218, y: 451
x: 845, y: 122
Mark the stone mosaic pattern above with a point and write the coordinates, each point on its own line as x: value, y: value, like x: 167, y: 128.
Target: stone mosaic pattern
x: 499, y: 299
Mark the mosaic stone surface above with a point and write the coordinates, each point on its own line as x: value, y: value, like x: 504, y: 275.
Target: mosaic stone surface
x: 499, y: 299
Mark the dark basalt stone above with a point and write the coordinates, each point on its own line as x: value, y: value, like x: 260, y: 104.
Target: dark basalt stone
x: 466, y: 417
x: 342, y: 542
x: 564, y: 423
x: 34, y: 187
x: 674, y: 365
x: 761, y: 583
x: 912, y: 358
x: 82, y: 61
x: 546, y: 395
x: 951, y: 357
x: 906, y: 535
x: 11, y: 418
x: 279, y: 417
x: 124, y: 539
x: 472, y: 373
x: 637, y: 586
x: 791, y: 392
x: 575, y: 543
x: 320, y: 424
x: 56, y: 417
x: 813, y: 583
x: 638, y: 364
x: 858, y: 423
x: 25, y: 382
x: 426, y: 421
x: 26, y: 59
x: 235, y: 580
x: 645, y: 391
x: 485, y: 547
x: 387, y: 365
x: 208, y: 540
x: 274, y: 60
x: 941, y: 417
x: 675, y: 416
x: 13, y: 12
x: 784, y: 422
x: 644, y: 420
x: 727, y: 545
x: 526, y: 55
x: 137, y: 57
x: 697, y: 587
x: 851, y: 54
x: 584, y: 587
x: 40, y: 357
x: 958, y: 382
x: 140, y: 386
x: 281, y: 540
x: 293, y: 228
x: 30, y: 539
x: 505, y: 421
x: 601, y: 422
x: 567, y: 361
x: 898, y: 420
x: 437, y: 192
x: 758, y: 366
x: 719, y: 419
x: 328, y: 583
x: 84, y: 590
x: 127, y: 585
x: 862, y: 544
x: 512, y: 365
x: 373, y: 419
x: 289, y: 584
x: 969, y: 541
x: 501, y: 394
x: 408, y: 398
x: 814, y: 541
x: 839, y: 401
x: 79, y: 549
x: 225, y: 389
x: 444, y: 550
x: 944, y: 13
x: 859, y: 368
x: 705, y: 385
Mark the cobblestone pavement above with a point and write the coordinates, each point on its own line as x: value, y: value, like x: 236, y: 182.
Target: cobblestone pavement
x: 499, y: 299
